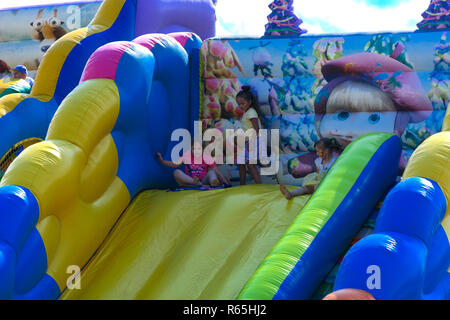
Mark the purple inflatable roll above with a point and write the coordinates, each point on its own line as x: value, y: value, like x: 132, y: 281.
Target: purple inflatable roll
x: 166, y: 16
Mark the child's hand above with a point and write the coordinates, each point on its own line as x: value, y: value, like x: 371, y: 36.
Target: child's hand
x: 159, y: 156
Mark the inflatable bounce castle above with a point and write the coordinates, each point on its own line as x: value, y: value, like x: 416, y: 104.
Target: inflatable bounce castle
x: 88, y: 212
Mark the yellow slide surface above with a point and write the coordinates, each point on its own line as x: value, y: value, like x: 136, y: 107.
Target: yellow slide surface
x: 188, y: 244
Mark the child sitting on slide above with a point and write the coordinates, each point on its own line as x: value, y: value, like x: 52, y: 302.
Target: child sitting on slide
x: 195, y: 175
x: 328, y: 151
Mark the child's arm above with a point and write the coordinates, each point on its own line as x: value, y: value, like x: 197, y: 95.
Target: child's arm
x: 316, y: 163
x: 166, y: 162
x: 255, y: 124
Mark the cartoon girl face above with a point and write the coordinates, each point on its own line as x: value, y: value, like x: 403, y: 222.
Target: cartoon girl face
x: 346, y: 126
x: 355, y: 108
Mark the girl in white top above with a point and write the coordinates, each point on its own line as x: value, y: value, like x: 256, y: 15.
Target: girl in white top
x: 328, y: 151
x: 250, y: 120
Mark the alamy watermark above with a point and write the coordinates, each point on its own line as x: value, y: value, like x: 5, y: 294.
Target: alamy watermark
x: 238, y: 147
x: 74, y: 280
x: 374, y: 280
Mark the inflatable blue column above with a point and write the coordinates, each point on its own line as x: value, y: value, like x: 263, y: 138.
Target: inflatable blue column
x: 408, y: 254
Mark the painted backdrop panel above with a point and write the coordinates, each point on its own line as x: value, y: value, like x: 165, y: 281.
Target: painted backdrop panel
x: 310, y: 87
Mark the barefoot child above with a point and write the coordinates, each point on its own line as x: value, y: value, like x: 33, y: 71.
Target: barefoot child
x: 327, y: 150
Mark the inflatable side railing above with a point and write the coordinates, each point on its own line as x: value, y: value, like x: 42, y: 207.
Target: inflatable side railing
x: 28, y: 116
x: 324, y: 227
x: 24, y: 117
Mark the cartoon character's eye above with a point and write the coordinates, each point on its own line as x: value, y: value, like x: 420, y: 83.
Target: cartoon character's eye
x: 374, y: 118
x: 54, y: 22
x: 343, y: 115
x: 38, y: 23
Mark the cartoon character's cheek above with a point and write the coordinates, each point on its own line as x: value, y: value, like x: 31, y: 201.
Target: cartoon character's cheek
x: 326, y: 126
x: 335, y: 124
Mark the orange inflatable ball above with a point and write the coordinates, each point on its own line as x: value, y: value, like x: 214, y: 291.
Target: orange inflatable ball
x: 349, y: 294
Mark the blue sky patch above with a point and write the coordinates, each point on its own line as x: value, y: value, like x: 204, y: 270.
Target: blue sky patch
x: 383, y: 3
x: 325, y: 25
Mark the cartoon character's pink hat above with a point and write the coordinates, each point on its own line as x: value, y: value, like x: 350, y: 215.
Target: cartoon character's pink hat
x: 399, y: 81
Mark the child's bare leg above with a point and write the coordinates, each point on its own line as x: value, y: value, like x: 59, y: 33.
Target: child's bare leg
x: 302, y: 190
x: 311, y: 189
x: 184, y: 180
x: 254, y: 173
x: 297, y: 192
x: 242, y: 174
x: 211, y: 179
x: 222, y: 179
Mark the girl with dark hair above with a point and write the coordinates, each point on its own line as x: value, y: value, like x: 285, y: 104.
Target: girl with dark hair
x: 251, y: 119
x: 328, y: 151
x: 246, y: 95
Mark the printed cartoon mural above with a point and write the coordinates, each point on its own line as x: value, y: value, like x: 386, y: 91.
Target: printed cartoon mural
x: 330, y: 86
x: 48, y: 30
x: 27, y: 33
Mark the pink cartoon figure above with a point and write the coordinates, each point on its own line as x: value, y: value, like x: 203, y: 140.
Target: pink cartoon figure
x: 365, y: 92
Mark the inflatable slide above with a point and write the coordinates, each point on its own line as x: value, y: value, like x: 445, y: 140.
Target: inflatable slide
x: 187, y: 245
